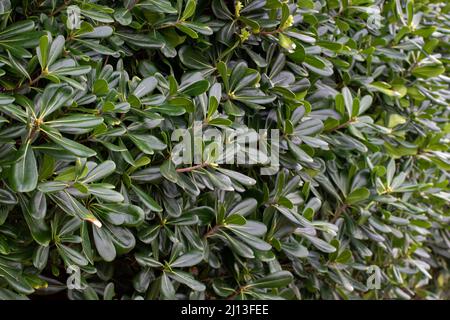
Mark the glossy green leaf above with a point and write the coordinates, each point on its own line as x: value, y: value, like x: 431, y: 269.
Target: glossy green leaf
x: 24, y: 171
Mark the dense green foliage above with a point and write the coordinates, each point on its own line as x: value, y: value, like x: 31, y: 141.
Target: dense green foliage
x: 91, y: 188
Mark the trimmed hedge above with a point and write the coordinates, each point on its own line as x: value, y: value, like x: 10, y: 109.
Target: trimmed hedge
x: 95, y: 202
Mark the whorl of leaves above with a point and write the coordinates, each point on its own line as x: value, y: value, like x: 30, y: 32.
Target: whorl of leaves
x: 359, y: 92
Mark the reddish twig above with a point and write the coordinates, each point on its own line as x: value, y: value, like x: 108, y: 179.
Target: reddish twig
x: 189, y: 169
x: 212, y: 231
x: 339, y: 212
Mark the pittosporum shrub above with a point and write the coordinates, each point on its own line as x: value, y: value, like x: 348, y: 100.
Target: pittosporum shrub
x: 164, y: 149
